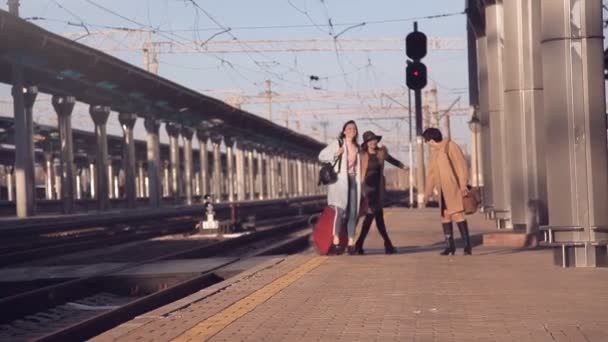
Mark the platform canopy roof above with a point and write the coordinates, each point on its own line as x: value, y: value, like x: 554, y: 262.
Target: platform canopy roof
x: 59, y: 66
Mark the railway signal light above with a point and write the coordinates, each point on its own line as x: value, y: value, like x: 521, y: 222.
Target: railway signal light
x: 416, y: 77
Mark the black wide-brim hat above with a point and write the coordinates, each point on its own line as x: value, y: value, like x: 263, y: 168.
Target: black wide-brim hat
x: 369, y: 135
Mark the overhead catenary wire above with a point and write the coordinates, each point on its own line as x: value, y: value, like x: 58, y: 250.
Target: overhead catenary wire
x: 263, y: 27
x: 266, y: 66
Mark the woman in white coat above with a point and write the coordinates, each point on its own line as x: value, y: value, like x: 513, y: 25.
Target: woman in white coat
x: 344, y: 194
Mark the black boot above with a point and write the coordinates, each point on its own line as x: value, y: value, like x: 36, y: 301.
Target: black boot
x: 367, y: 222
x: 388, y: 245
x: 448, y: 232
x: 359, y: 247
x: 463, y: 227
x: 389, y: 248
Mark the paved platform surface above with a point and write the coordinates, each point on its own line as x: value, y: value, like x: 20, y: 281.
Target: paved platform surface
x: 416, y: 295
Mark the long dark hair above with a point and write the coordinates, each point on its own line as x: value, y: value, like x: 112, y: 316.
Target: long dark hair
x: 356, y: 137
x: 364, y: 147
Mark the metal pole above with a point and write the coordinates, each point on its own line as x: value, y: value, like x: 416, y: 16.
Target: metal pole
x: 63, y: 106
x: 250, y: 177
x: 110, y: 182
x: 240, y: 170
x: 260, y: 174
x: 10, y: 187
x: 498, y: 118
x: 166, y: 178
x: 173, y: 132
x: 141, y: 180
x: 92, y: 181
x: 410, y: 149
x: 485, y: 153
x: 100, y: 114
x: 127, y: 122
x: 524, y: 122
x: 202, y: 137
x: 419, y: 149
x: 153, y: 161
x: 78, y: 184
x: 230, y: 167
x: 187, y: 134
x: 48, y: 159
x: 23, y: 98
x: 271, y: 174
x: 574, y: 103
x: 217, y: 168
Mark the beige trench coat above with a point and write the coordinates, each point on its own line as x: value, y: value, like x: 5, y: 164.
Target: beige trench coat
x: 448, y: 180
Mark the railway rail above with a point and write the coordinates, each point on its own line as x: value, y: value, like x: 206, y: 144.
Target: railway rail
x: 77, y: 309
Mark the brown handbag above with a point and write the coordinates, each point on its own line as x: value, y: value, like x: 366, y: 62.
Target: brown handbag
x: 470, y: 201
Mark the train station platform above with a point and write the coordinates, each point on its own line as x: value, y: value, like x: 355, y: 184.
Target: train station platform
x: 497, y: 294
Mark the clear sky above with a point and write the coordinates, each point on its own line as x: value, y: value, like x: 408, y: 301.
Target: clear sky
x: 244, y: 74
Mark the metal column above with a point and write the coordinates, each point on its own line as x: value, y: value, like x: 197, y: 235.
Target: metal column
x: 420, y: 175
x: 485, y: 151
x: 100, y: 114
x: 141, y: 180
x: 474, y: 27
x: 166, y: 178
x: 272, y: 174
x: 498, y: 142
x: 285, y: 170
x: 10, y: 186
x: 250, y: 173
x: 127, y: 122
x: 63, y: 107
x: 217, y: 167
x: 524, y: 122
x: 173, y: 131
x: 300, y: 170
x: 187, y: 134
x: 153, y: 161
x: 291, y: 176
x: 230, y: 141
x: 92, y: 180
x: 110, y: 183
x: 295, y: 180
x: 23, y: 101
x: 284, y: 175
x: 78, y: 183
x: 240, y: 169
x: 307, y: 178
x: 261, y: 156
x: 574, y: 102
x: 202, y: 137
x: 49, y: 176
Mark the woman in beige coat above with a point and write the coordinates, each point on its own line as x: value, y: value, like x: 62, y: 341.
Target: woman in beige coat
x: 448, y: 173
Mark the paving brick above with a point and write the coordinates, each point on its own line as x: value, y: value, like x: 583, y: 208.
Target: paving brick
x: 498, y: 294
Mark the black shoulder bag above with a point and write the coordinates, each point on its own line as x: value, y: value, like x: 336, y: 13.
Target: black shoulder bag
x: 327, y: 174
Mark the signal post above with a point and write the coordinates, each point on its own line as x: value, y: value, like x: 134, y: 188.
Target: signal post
x: 416, y: 79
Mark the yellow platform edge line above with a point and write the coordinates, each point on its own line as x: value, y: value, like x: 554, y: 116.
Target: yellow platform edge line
x: 216, y: 323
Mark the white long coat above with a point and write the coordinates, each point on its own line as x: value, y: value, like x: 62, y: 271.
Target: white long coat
x: 337, y: 193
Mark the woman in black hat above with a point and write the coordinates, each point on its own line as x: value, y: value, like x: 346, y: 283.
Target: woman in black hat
x: 372, y: 179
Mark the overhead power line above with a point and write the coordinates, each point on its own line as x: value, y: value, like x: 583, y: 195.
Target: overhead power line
x: 244, y: 28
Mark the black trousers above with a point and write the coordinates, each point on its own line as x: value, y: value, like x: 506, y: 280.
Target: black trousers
x: 379, y: 216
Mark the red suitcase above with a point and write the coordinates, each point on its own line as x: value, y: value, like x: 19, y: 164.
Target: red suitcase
x: 323, y: 232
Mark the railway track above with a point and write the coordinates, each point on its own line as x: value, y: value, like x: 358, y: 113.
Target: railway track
x: 46, y: 241
x: 77, y: 309
x: 23, y: 251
